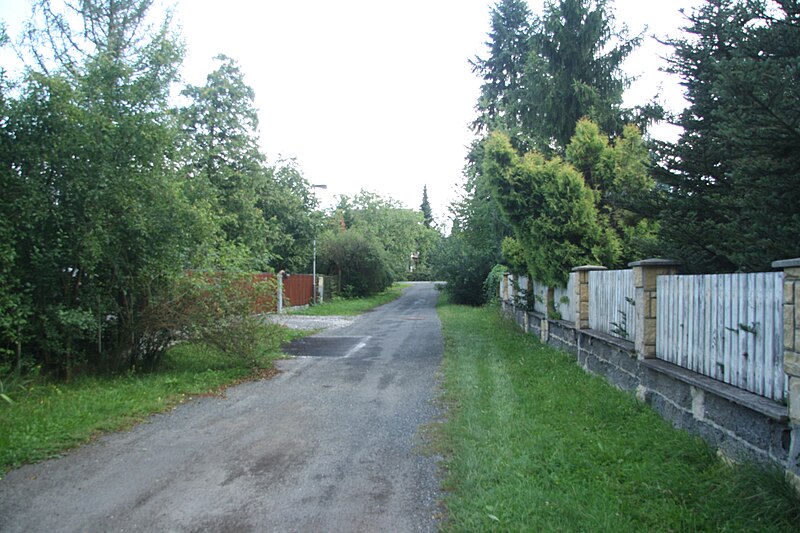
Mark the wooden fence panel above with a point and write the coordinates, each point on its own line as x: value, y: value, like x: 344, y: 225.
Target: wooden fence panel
x: 538, y: 291
x: 611, y: 303
x: 563, y: 298
x: 725, y: 326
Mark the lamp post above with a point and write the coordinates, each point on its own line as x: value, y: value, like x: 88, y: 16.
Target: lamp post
x: 314, y: 260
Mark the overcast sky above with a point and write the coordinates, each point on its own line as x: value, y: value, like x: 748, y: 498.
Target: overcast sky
x: 375, y: 94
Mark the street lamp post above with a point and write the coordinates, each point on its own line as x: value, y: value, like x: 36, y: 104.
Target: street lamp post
x: 314, y: 260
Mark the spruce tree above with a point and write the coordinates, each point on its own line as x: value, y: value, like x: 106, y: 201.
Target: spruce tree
x: 731, y: 197
x: 500, y: 105
x: 425, y: 207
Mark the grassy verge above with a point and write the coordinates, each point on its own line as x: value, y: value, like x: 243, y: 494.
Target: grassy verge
x: 46, y: 419
x: 352, y: 306
x: 532, y: 443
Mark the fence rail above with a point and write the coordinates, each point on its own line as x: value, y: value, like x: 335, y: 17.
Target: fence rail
x: 726, y: 326
x: 611, y: 303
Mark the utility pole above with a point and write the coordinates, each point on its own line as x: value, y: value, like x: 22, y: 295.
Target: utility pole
x: 314, y: 260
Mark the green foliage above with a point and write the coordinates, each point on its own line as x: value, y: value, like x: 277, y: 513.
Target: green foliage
x: 110, y: 195
x: 223, y: 161
x: 425, y: 209
x: 552, y: 211
x: 99, y: 221
x: 467, y: 256
x: 401, y: 232
x: 543, y: 74
x: 730, y: 198
x: 491, y: 286
x: 546, y: 72
x: 358, y: 260
x: 218, y: 310
x: 500, y: 105
x: 575, y: 71
x: 618, y: 173
x: 288, y: 205
x: 514, y: 255
x: 464, y: 267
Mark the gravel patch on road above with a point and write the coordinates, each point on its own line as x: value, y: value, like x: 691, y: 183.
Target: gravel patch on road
x: 323, y: 323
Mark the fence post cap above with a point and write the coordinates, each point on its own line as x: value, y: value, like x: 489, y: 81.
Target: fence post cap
x: 786, y: 263
x: 588, y: 267
x: 655, y: 262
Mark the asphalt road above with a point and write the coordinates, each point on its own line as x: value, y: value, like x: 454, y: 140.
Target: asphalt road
x: 330, y: 444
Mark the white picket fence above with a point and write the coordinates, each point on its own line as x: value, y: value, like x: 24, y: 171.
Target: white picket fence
x: 611, y: 303
x: 726, y: 326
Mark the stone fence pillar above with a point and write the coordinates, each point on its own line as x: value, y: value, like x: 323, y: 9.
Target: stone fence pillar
x: 791, y: 357
x: 645, y: 274
x: 581, y: 296
x: 791, y: 332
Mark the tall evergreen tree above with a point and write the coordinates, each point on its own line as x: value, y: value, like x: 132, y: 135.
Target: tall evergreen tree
x: 575, y: 71
x: 732, y: 181
x: 425, y: 207
x: 221, y: 124
x: 501, y: 101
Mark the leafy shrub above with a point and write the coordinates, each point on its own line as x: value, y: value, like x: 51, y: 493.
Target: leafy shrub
x: 357, y: 261
x: 464, y: 268
x: 219, y: 310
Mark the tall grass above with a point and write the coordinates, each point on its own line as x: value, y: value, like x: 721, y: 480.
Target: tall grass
x: 532, y: 443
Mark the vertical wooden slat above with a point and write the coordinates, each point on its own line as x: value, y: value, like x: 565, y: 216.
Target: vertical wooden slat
x: 730, y: 370
x: 756, y: 339
x: 691, y: 311
x: 699, y: 313
x: 776, y: 372
x: 708, y: 356
x: 742, y: 335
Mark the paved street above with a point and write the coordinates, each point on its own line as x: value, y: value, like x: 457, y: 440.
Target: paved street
x: 330, y: 444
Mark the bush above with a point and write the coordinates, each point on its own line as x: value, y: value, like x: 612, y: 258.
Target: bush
x: 219, y: 310
x: 357, y: 261
x: 464, y: 268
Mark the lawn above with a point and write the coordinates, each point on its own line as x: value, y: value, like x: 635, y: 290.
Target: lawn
x: 532, y: 443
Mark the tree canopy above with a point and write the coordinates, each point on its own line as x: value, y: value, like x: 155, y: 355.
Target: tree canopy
x: 112, y: 192
x: 731, y: 195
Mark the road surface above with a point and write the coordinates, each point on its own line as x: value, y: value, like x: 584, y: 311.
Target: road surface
x: 330, y: 444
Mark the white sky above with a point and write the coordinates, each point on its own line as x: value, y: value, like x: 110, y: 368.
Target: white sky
x: 374, y: 94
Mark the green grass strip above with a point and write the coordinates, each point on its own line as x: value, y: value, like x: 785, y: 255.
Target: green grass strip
x: 532, y: 443
x: 352, y: 306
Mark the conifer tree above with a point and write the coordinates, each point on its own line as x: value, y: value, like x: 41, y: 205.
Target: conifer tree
x: 425, y: 207
x: 731, y: 196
